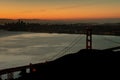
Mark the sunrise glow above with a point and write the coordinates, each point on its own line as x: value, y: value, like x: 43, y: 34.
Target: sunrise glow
x: 59, y: 9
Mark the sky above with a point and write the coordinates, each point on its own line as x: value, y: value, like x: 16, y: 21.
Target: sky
x: 59, y: 9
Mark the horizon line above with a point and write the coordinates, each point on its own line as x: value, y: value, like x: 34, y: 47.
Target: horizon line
x: 56, y: 19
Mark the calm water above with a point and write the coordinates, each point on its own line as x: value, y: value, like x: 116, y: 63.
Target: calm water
x: 22, y: 48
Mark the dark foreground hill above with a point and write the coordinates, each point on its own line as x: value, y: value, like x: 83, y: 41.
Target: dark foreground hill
x: 85, y: 64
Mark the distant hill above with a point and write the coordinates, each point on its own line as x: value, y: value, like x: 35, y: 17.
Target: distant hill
x: 108, y: 20
x: 3, y: 21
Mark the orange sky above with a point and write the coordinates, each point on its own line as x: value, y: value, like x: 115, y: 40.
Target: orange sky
x: 59, y: 9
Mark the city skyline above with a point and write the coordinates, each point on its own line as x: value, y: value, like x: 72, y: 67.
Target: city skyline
x: 59, y: 9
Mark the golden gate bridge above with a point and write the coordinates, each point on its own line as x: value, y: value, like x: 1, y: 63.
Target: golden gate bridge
x: 10, y: 71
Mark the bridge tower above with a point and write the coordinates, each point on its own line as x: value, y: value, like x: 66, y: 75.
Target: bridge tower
x: 88, y: 38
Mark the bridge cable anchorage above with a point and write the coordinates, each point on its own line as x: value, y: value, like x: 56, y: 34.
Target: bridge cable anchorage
x: 63, y: 51
x: 110, y: 40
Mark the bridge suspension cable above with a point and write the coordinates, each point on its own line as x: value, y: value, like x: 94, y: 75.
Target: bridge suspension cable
x: 67, y: 48
x: 110, y: 40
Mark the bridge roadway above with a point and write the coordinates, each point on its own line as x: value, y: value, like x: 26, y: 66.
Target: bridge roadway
x: 10, y: 71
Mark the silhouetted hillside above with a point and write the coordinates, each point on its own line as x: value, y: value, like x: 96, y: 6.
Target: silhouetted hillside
x: 85, y: 64
x: 100, y: 29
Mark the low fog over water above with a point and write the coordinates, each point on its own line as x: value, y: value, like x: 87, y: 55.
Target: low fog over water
x: 22, y: 48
